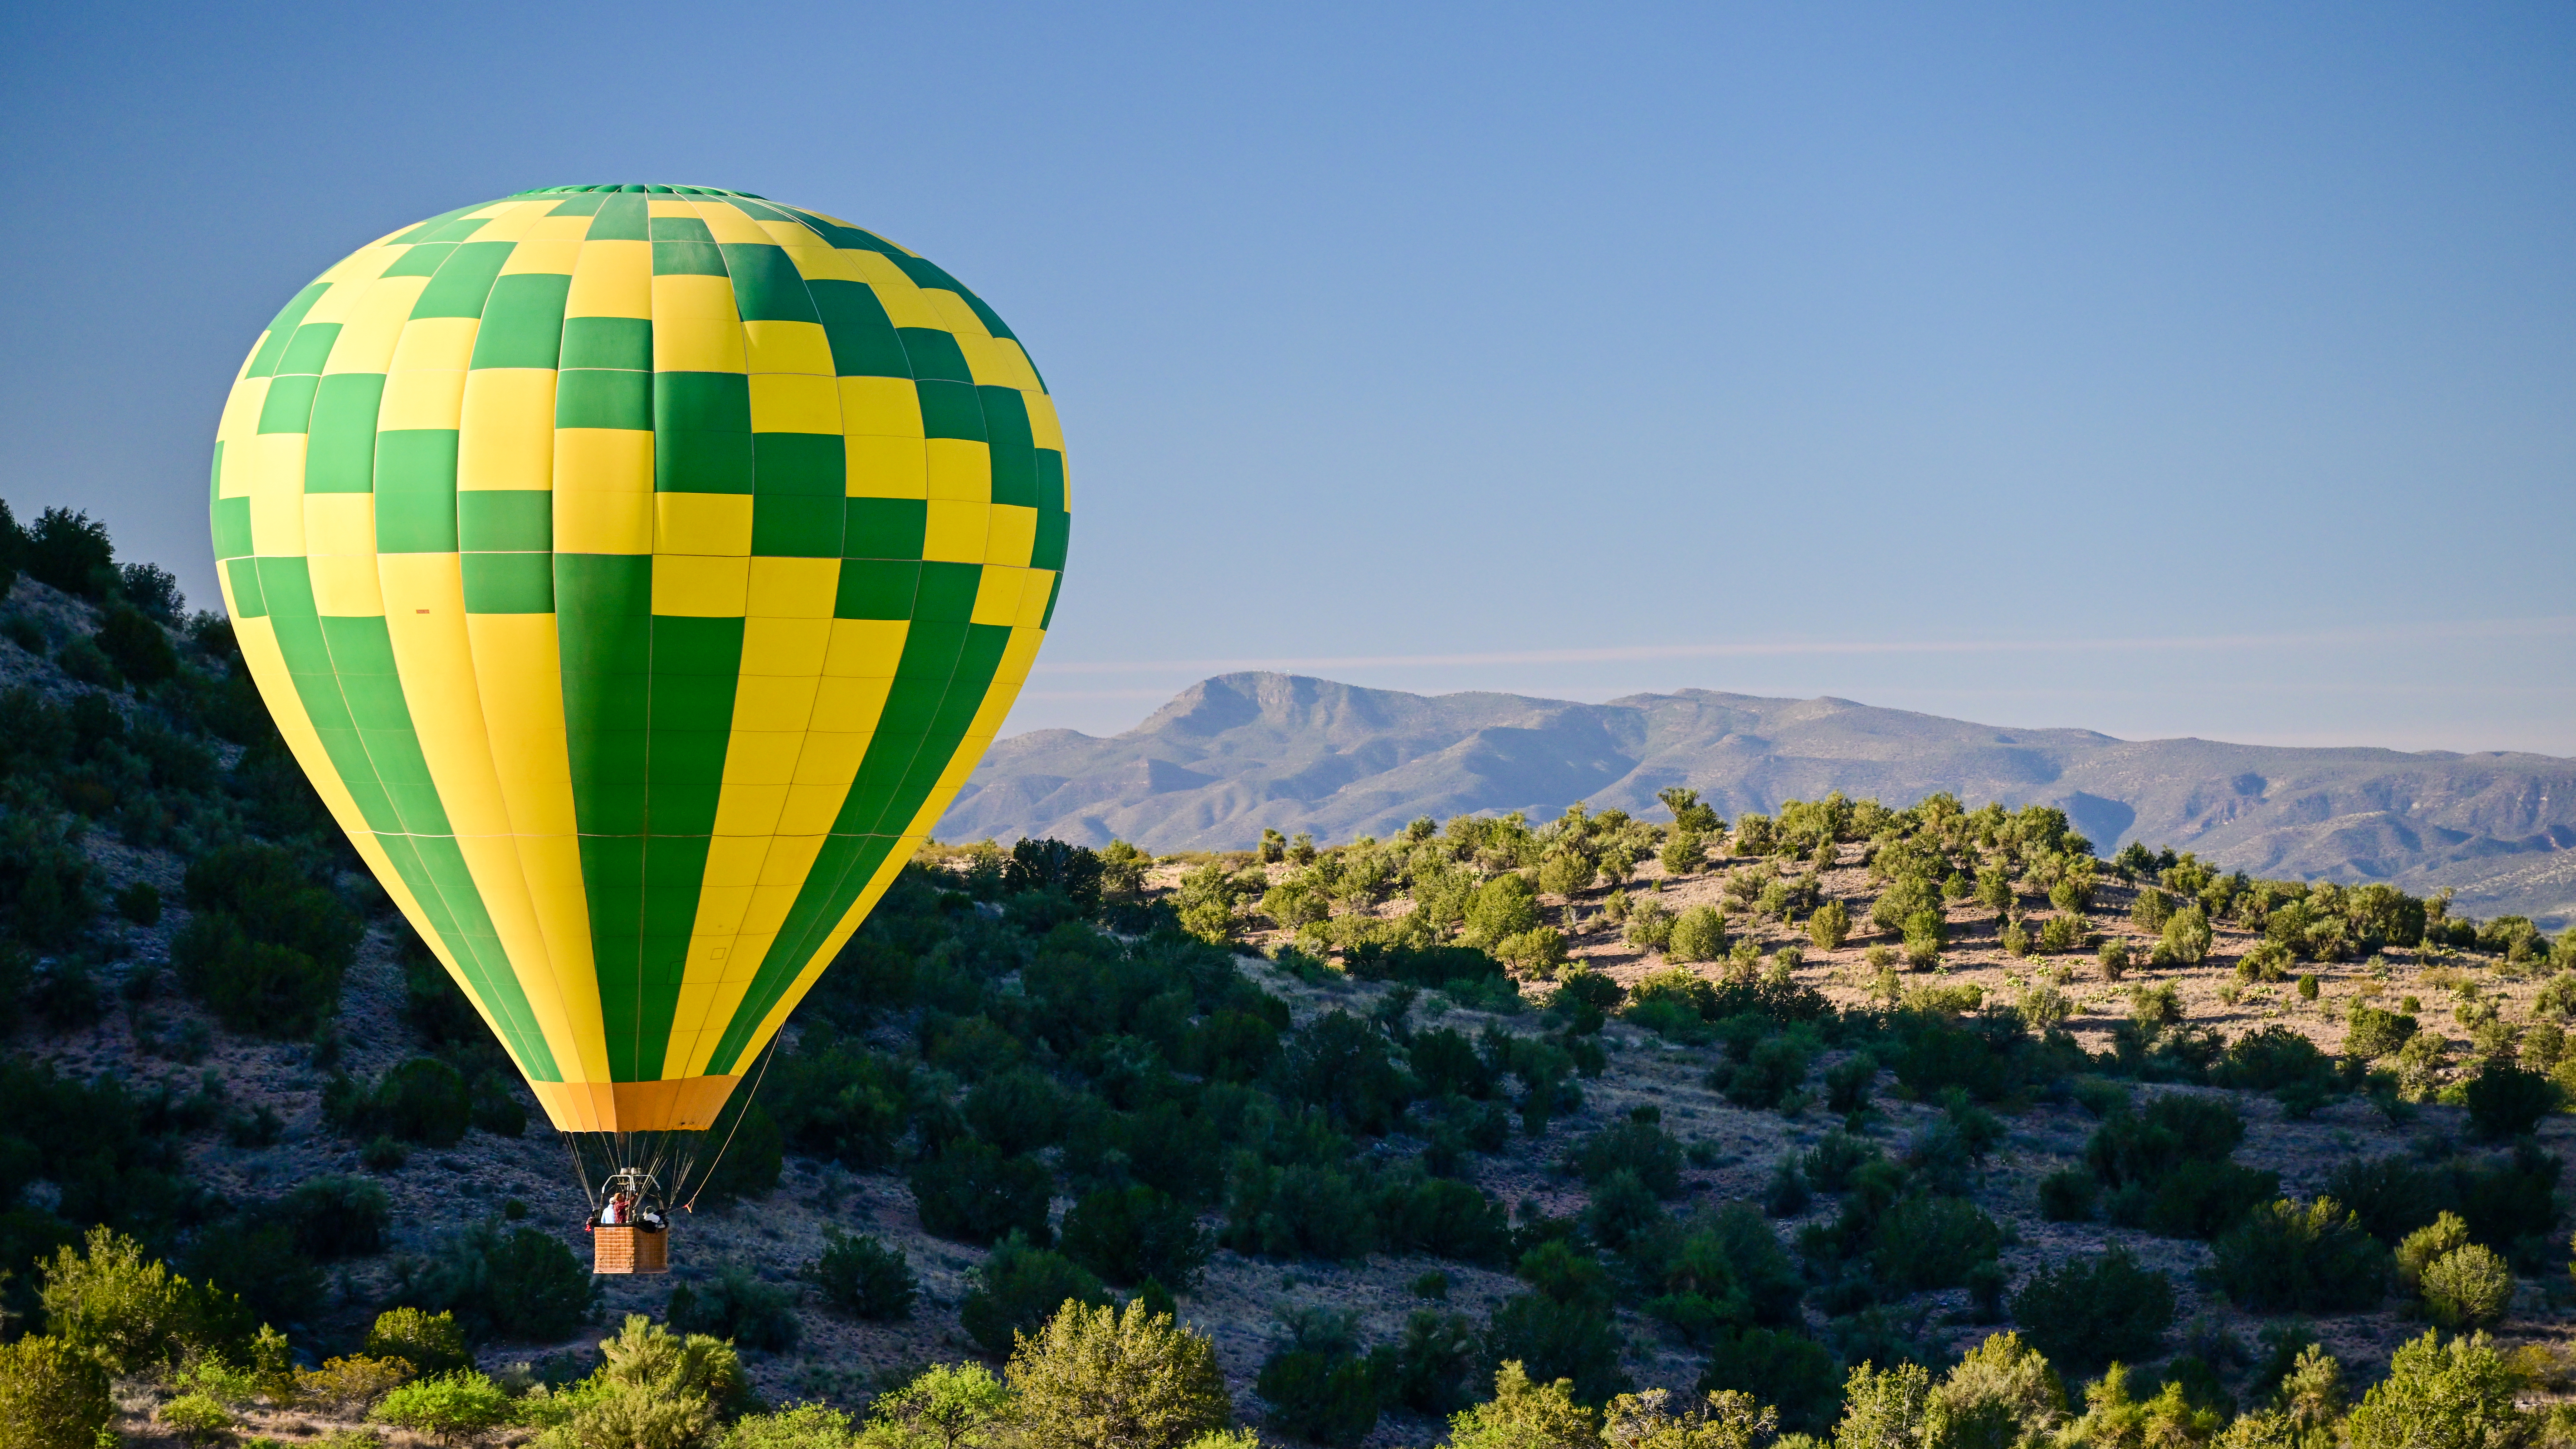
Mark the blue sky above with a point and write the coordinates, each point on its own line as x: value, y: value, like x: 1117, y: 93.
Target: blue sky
x: 2164, y: 370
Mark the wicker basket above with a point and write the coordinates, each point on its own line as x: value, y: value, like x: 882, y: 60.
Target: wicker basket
x: 629, y: 1250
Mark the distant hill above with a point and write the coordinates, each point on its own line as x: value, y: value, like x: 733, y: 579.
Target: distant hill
x: 1238, y: 752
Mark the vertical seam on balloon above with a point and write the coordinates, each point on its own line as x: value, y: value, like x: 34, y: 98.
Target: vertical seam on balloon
x: 518, y: 859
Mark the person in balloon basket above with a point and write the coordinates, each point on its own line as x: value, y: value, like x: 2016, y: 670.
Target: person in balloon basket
x: 622, y: 1210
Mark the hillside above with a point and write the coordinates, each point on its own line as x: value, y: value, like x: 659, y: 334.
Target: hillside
x: 1238, y: 753
x: 1391, y: 1113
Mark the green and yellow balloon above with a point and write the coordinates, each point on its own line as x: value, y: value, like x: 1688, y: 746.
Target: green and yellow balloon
x: 638, y: 572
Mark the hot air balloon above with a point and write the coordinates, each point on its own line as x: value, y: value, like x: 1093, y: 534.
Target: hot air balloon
x: 637, y: 572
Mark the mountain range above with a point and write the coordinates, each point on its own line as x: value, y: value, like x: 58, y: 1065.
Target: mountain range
x: 1239, y: 752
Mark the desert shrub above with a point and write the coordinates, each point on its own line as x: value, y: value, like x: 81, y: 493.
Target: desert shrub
x: 1558, y: 1338
x: 335, y: 1217
x: 2084, y: 1314
x: 2460, y: 1395
x: 1788, y: 1370
x: 1094, y: 1376
x: 1836, y: 1156
x: 1830, y: 926
x: 136, y: 645
x: 1848, y: 1083
x: 1929, y: 1242
x: 1765, y: 1075
x: 1699, y: 934
x: 347, y: 1386
x: 2506, y: 1101
x: 2141, y: 1146
x: 2467, y: 1287
x: 496, y: 1107
x: 2185, y: 939
x: 524, y: 1284
x: 430, y: 1342
x: 2313, y: 1259
x: 864, y: 1276
x: 2067, y: 1195
x: 1446, y: 1062
x: 738, y: 1308
x: 1018, y: 1289
x: 1502, y: 907
x: 2419, y: 1248
x: 1331, y: 1398
x: 422, y: 1100
x: 1342, y: 1065
x: 129, y: 1312
x: 1296, y: 1211
x: 2371, y: 1033
x: 1433, y: 1360
x: 2272, y: 1058
x: 267, y: 947
x: 2168, y: 1164
x: 951, y: 1406
x: 451, y: 1407
x: 197, y: 1419
x: 1787, y: 1196
x: 1446, y: 1219
x: 972, y: 1193
x: 51, y: 1395
x: 1641, y: 1147
x: 1648, y: 927
x: 70, y: 551
x: 1126, y: 1235
x: 2392, y: 1196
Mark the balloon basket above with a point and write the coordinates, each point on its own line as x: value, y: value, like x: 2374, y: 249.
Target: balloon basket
x: 629, y: 1250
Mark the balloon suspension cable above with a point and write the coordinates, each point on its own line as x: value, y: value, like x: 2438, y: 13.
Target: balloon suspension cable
x: 718, y: 1161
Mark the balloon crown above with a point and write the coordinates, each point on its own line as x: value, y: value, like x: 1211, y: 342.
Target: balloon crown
x: 637, y: 186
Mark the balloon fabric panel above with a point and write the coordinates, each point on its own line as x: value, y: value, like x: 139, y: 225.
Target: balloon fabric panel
x: 638, y: 572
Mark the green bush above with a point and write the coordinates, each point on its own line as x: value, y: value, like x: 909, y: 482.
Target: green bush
x: 1699, y: 934
x: 1641, y: 1147
x: 1126, y: 1235
x: 2067, y: 1195
x: 1925, y: 1242
x: 1020, y: 1110
x: 1769, y: 1072
x: 1433, y: 1361
x: 430, y: 1342
x: 51, y: 1394
x: 523, y: 1284
x: 1446, y: 1218
x: 335, y: 1217
x: 1325, y: 1398
x: 1297, y: 1211
x: 1018, y: 1289
x: 737, y: 1308
x: 864, y: 1276
x: 70, y: 551
x: 2314, y: 1259
x: 267, y: 947
x: 2461, y: 1393
x: 496, y: 1107
x: 136, y: 645
x: 2506, y: 1101
x: 1788, y: 1370
x: 422, y: 1100
x: 131, y: 1313
x: 2084, y: 1314
x: 971, y: 1193
x: 2371, y: 1033
x: 452, y: 1407
x: 1558, y: 1339
x: 2468, y: 1287
x: 1836, y: 1156
x: 1125, y: 1377
x: 2195, y: 1199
